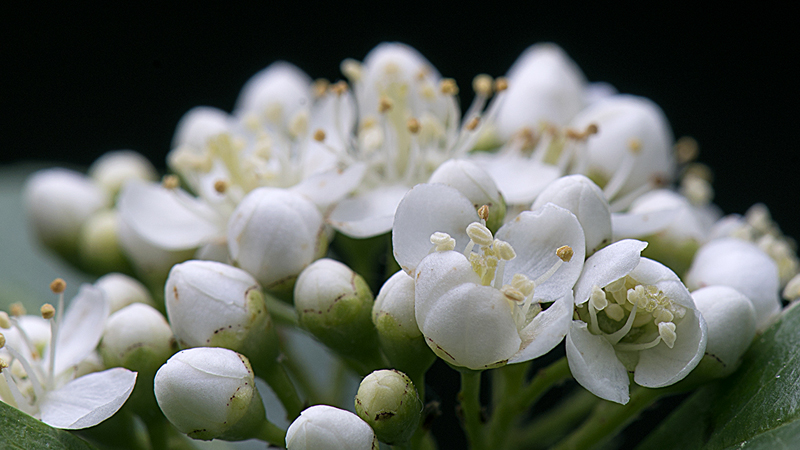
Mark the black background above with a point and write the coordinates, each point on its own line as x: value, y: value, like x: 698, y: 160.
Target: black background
x: 77, y: 83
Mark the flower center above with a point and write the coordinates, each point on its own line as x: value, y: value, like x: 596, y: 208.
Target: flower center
x: 632, y: 316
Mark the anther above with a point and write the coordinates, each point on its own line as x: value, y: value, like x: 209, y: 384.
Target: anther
x: 483, y: 212
x: 413, y: 125
x: 17, y: 310
x: 170, y: 182
x: 480, y: 234
x: 500, y: 84
x: 48, y: 311
x: 5, y: 321
x: 58, y: 285
x: 339, y: 88
x: 523, y: 284
x: 473, y: 123
x: 319, y: 135
x: 512, y: 293
x: 384, y: 104
x: 598, y: 299
x: 614, y: 312
x: 2, y: 340
x: 591, y: 129
x: 3, y: 365
x: 635, y: 145
x: 448, y: 86
x: 667, y: 332
x: 686, y: 150
x: 504, y: 250
x: 352, y: 69
x: 482, y: 84
x: 565, y: 253
x: 442, y: 242
x: 220, y: 186
x: 320, y: 87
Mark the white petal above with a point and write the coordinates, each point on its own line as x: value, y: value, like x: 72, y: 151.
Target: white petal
x: 662, y: 366
x: 518, y: 178
x: 632, y: 225
x: 368, y: 214
x: 607, y: 265
x: 199, y: 124
x: 88, y: 400
x: 594, y: 364
x: 281, y: 86
x: 546, y: 330
x: 170, y: 220
x: 731, y: 321
x: 81, y: 327
x: 326, y: 188
x: 437, y: 274
x: 471, y: 326
x: 426, y: 209
x: 535, y: 236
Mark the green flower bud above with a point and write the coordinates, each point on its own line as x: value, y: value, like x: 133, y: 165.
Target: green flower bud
x: 334, y: 304
x: 137, y: 337
x: 114, y: 168
x: 121, y: 290
x: 98, y: 244
x: 399, y: 335
x: 388, y: 401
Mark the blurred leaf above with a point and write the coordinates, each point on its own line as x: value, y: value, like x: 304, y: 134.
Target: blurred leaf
x: 758, y: 407
x: 21, y: 431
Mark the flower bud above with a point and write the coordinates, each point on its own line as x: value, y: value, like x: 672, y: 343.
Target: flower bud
x: 98, y: 244
x: 137, y: 337
x: 334, y: 304
x: 58, y: 202
x: 274, y: 234
x: 388, y: 401
x: 210, y: 393
x: 114, y: 168
x: 476, y: 184
x: 731, y: 321
x: 210, y: 304
x: 323, y: 427
x: 121, y: 290
x: 393, y: 315
x: 583, y: 198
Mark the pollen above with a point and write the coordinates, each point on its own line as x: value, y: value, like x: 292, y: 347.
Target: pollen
x: 319, y: 135
x: 482, y: 84
x: 473, y: 123
x: 448, y: 86
x: 220, y: 186
x: 565, y: 253
x: 48, y: 311
x: 170, y: 182
x: 3, y: 363
x: 413, y: 125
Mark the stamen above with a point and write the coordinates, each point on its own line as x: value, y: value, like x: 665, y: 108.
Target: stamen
x: 473, y: 123
x: 339, y: 88
x: 503, y: 250
x: 500, y: 84
x: 626, y: 347
x: 614, y: 312
x: 686, y: 150
x: 17, y: 310
x: 482, y: 85
x: 565, y: 253
x: 413, y: 125
x: 37, y: 386
x: 5, y: 321
x: 2, y: 340
x: 616, y: 336
x: 479, y: 234
x: 385, y: 104
x: 19, y: 399
x: 523, y: 284
x: 593, y: 325
x: 170, y: 182
x: 58, y: 285
x: 598, y: 298
x: 319, y: 135
x: 448, y: 86
x: 48, y: 312
x: 352, y: 69
x: 483, y: 212
x: 220, y: 186
x: 442, y: 242
x: 666, y: 330
x: 320, y: 87
x: 512, y: 293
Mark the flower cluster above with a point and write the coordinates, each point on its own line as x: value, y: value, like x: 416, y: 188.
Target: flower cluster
x: 554, y: 216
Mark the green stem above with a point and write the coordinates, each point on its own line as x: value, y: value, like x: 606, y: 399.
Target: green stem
x: 506, y: 383
x: 303, y: 378
x: 541, y: 383
x: 272, y: 434
x: 546, y: 429
x: 276, y: 377
x: 608, y: 419
x: 280, y: 311
x: 469, y: 398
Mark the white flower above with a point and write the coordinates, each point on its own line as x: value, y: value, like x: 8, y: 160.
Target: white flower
x: 636, y: 316
x: 113, y: 169
x: 40, y: 372
x: 323, y: 427
x: 121, y: 290
x: 483, y: 308
x: 742, y: 266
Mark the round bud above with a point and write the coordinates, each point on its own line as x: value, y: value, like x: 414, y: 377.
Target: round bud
x: 210, y: 304
x: 323, y: 427
x: 334, y: 304
x: 121, y: 290
x: 98, y: 244
x: 476, y: 185
x: 210, y: 393
x: 114, y: 168
x: 137, y: 337
x: 388, y: 401
x: 274, y: 234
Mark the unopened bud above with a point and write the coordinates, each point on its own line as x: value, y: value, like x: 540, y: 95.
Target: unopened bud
x: 114, y: 168
x: 137, y: 337
x: 388, y: 401
x: 323, y: 427
x: 99, y: 245
x: 121, y: 290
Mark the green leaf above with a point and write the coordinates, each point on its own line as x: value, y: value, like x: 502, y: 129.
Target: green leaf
x: 758, y: 407
x: 21, y: 431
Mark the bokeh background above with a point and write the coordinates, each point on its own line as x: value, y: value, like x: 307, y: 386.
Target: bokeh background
x: 77, y: 83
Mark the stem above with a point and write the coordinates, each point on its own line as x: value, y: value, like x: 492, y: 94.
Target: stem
x: 280, y: 311
x: 544, y: 380
x: 507, y: 382
x: 469, y: 398
x: 276, y: 377
x: 546, y: 429
x: 272, y: 434
x: 608, y: 419
x: 303, y: 379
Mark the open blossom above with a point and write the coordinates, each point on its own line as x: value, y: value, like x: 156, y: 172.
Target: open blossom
x: 484, y: 300
x: 40, y: 366
x: 634, y: 315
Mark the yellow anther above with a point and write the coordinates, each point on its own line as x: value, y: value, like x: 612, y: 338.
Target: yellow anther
x: 385, y: 104
x: 565, y: 253
x: 352, y: 69
x: 221, y: 186
x: 598, y: 299
x: 667, y: 332
x: 443, y: 242
x: 339, y: 88
x: 2, y: 340
x: 413, y: 125
x: 635, y: 145
x: 614, y: 312
x: 500, y: 84
x: 482, y: 84
x: 5, y: 321
x: 170, y: 182
x: 3, y: 364
x: 17, y: 310
x: 319, y: 135
x: 663, y: 315
x: 686, y: 150
x: 320, y: 87
x: 58, y: 285
x: 480, y: 234
x: 473, y: 123
x: 591, y: 129
x: 47, y: 310
x: 512, y: 293
x: 504, y: 250
x: 448, y: 86
x: 483, y: 212
x: 523, y: 284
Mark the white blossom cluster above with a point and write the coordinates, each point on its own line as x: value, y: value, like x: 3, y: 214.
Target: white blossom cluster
x: 552, y: 210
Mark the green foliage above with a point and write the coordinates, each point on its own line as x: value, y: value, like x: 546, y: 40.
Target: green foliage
x: 21, y: 431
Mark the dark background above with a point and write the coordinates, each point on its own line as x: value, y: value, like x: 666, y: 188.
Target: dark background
x: 77, y: 83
